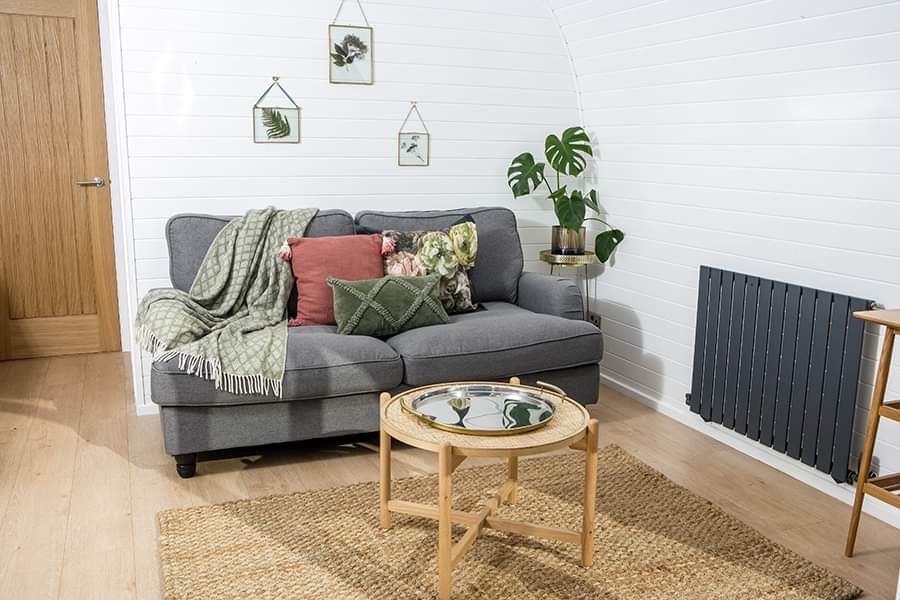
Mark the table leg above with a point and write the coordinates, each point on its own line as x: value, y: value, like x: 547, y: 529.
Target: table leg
x: 587, y: 296
x: 881, y: 379
x: 384, y: 455
x: 590, y: 494
x: 513, y: 471
x: 445, y: 500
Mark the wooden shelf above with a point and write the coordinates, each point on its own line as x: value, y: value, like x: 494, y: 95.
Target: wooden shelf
x: 888, y: 318
x: 885, y: 488
x: 890, y: 410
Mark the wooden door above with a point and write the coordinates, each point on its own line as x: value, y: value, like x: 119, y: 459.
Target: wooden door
x: 57, y: 267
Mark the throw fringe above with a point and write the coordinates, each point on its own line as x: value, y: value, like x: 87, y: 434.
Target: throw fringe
x: 209, y: 369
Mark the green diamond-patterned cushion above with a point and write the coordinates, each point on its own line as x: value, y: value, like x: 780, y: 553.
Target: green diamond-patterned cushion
x: 387, y: 306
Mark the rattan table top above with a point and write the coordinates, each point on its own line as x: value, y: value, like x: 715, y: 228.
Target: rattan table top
x: 566, y: 427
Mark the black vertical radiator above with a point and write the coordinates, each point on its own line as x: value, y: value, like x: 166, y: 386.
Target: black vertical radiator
x: 779, y: 363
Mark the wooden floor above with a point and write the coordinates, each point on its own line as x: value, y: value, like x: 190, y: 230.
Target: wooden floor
x: 82, y: 478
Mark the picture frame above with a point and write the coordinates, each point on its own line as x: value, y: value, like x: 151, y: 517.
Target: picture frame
x: 413, y: 149
x: 276, y: 120
x: 350, y: 54
x: 276, y: 125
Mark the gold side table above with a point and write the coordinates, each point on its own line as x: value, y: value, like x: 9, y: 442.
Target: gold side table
x: 574, y: 260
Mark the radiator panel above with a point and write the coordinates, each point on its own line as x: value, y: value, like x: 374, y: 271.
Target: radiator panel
x: 779, y: 363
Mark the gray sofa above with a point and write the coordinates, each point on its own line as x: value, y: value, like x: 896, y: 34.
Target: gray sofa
x: 530, y: 325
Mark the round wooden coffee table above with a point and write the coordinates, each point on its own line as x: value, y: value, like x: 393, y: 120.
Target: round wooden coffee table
x: 570, y: 427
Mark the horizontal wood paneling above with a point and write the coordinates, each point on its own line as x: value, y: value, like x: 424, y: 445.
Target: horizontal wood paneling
x: 491, y: 79
x: 755, y: 136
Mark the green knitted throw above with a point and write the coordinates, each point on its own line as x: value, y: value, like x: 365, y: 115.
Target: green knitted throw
x: 232, y: 326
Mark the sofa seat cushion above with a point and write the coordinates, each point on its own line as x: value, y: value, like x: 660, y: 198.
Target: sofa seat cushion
x: 501, y: 341
x: 320, y: 364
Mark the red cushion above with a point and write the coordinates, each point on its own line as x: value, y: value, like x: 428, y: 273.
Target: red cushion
x: 313, y: 259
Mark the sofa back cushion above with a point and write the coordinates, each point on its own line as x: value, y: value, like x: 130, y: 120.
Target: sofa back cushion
x: 499, y: 263
x: 190, y: 235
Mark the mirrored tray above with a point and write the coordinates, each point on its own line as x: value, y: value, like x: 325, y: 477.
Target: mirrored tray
x: 482, y: 408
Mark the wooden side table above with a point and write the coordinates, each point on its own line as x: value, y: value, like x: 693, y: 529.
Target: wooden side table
x: 574, y: 260
x: 884, y: 487
x: 571, y: 427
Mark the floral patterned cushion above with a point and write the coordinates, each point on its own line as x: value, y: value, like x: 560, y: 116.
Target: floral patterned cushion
x: 448, y: 252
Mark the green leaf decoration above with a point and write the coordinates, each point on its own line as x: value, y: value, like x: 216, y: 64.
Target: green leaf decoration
x: 606, y: 242
x: 570, y: 210
x: 524, y: 175
x: 349, y: 50
x: 591, y: 201
x: 567, y: 155
x: 339, y: 56
x: 558, y: 194
x: 276, y: 124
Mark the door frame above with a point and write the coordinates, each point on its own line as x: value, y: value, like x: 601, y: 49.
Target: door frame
x: 120, y: 191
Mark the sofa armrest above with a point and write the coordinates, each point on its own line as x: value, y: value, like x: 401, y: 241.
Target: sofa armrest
x: 551, y: 295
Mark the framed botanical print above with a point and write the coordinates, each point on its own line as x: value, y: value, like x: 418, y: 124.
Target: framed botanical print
x: 414, y: 149
x: 350, y: 54
x: 276, y: 117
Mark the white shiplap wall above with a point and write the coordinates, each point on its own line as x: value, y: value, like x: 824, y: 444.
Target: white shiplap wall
x: 757, y: 136
x: 491, y: 79
x: 760, y: 136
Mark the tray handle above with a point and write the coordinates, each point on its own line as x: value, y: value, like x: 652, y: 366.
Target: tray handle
x: 553, y: 388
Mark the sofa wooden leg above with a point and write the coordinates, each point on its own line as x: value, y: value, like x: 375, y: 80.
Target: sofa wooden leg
x: 186, y: 465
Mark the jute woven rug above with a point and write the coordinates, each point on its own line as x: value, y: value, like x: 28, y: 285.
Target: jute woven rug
x: 655, y: 540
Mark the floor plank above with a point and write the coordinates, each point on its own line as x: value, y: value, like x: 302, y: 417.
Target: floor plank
x: 33, y: 532
x: 82, y: 479
x: 22, y: 385
x: 98, y: 561
x: 155, y: 487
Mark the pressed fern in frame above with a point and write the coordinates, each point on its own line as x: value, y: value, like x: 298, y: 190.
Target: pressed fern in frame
x: 277, y: 125
x: 276, y: 119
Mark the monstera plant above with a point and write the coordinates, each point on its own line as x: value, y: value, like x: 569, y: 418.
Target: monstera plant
x: 567, y: 155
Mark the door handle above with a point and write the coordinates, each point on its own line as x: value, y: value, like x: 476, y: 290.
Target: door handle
x: 95, y: 182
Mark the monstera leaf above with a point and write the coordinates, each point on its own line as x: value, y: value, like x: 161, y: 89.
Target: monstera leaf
x: 570, y: 210
x: 276, y: 124
x: 524, y: 175
x: 591, y: 201
x: 606, y: 242
x: 559, y: 194
x: 567, y: 154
